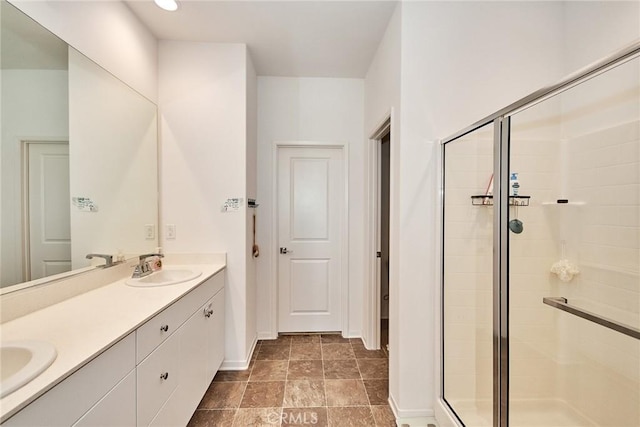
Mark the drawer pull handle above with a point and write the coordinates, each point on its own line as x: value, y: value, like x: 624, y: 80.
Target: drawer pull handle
x: 208, y: 312
x: 164, y: 376
x: 164, y: 328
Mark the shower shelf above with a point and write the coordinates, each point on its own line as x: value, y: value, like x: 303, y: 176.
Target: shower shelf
x: 484, y: 200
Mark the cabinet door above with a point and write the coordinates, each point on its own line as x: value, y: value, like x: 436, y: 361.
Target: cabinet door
x: 157, y: 378
x: 215, y: 335
x: 67, y: 402
x: 193, y: 361
x: 117, y: 408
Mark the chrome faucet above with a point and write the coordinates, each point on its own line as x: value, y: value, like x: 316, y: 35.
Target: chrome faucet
x: 143, y: 268
x: 108, y: 259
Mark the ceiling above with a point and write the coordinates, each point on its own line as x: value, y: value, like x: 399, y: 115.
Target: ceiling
x: 321, y: 38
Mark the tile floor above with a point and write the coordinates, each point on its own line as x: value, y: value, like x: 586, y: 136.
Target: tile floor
x: 302, y: 380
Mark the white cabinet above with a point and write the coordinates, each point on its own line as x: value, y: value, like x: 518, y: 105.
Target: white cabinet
x: 158, y: 378
x: 84, y: 391
x: 117, y: 408
x: 156, y: 375
x: 194, y: 351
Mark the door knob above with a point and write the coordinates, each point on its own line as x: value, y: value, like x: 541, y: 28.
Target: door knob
x: 285, y: 251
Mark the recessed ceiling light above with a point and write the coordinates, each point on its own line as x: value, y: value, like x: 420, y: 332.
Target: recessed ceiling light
x: 169, y: 5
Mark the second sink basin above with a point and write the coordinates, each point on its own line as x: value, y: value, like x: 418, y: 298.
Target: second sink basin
x: 164, y: 277
x: 22, y: 361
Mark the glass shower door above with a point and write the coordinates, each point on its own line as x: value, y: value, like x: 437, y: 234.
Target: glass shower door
x: 577, y: 155
x: 467, y: 277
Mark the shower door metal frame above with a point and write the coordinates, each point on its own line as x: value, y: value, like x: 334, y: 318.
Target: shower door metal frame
x: 502, y: 121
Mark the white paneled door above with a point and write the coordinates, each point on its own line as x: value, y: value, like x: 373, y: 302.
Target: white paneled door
x: 311, y: 203
x: 49, y: 209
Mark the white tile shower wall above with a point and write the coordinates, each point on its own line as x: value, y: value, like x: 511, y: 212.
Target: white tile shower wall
x: 532, y: 341
x: 604, y: 175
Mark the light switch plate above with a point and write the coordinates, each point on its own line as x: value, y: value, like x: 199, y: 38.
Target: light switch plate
x: 171, y: 231
x: 149, y: 231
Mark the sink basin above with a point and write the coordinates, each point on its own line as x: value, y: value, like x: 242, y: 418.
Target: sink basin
x: 164, y: 277
x: 22, y: 361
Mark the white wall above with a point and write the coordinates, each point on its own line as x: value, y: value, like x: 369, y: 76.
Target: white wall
x: 44, y: 93
x: 204, y: 133
x: 382, y: 100
x: 105, y: 31
x: 310, y: 109
x: 252, y: 190
x: 456, y: 67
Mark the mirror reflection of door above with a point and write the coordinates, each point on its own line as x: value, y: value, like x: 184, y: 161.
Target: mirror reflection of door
x: 47, y: 219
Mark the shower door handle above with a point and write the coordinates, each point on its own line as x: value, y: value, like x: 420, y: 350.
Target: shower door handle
x: 562, y: 303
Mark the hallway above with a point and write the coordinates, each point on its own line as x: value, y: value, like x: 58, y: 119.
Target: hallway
x: 297, y: 380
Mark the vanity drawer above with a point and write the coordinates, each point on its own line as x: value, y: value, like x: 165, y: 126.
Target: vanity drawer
x: 165, y: 323
x: 66, y: 403
x: 157, y: 378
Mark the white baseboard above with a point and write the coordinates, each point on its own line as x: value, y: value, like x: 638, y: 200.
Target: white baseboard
x: 267, y: 336
x: 412, y: 417
x: 239, y: 365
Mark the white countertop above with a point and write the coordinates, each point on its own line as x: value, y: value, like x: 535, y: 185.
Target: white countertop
x: 83, y: 327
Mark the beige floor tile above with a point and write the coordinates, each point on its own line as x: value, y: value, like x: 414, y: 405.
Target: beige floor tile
x: 345, y: 393
x: 257, y: 417
x: 274, y: 352
x: 212, y: 418
x: 269, y: 370
x: 304, y: 393
x: 350, y: 417
x: 374, y: 369
x: 306, y: 351
x: 305, y: 339
x: 227, y: 376
x: 337, y: 351
x: 377, y: 391
x: 305, y: 370
x: 384, y: 416
x: 281, y: 340
x: 222, y: 395
x: 341, y: 369
x: 263, y: 394
x: 304, y: 417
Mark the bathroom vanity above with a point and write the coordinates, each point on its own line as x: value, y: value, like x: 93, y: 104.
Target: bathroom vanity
x: 126, y: 355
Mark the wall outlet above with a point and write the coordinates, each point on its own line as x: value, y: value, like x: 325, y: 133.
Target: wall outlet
x: 149, y: 231
x: 171, y: 231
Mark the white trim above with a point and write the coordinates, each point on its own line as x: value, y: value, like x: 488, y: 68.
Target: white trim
x: 413, y: 418
x: 239, y: 365
x: 344, y: 303
x: 371, y: 315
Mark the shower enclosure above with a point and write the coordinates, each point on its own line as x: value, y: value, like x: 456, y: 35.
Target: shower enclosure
x: 541, y: 257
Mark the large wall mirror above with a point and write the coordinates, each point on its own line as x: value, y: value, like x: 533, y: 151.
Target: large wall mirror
x: 78, y: 151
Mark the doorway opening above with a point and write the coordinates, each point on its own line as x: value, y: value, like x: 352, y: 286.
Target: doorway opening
x: 383, y: 232
x: 379, y: 224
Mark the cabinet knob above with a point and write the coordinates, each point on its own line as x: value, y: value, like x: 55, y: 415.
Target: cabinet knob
x: 164, y: 328
x: 164, y: 376
x: 208, y: 311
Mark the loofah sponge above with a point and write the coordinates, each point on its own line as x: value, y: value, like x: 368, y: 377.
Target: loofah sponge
x: 565, y: 270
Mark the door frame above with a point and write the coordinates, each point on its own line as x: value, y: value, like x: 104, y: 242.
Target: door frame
x: 371, y: 326
x: 25, y: 143
x: 344, y: 285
